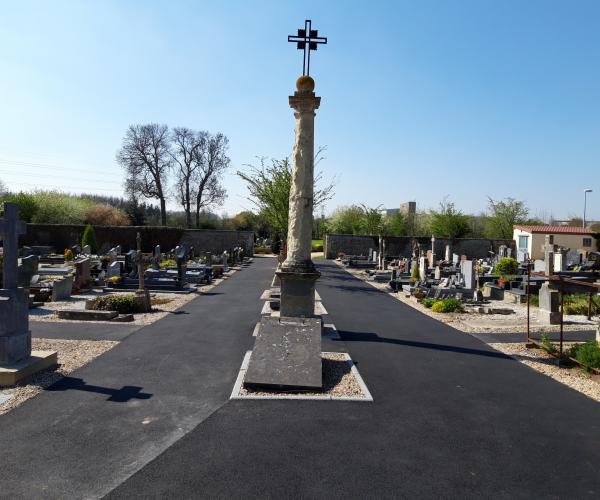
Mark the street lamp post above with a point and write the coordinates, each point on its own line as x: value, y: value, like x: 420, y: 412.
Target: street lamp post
x: 585, y: 192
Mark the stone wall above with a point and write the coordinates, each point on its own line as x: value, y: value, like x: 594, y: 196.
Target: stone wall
x: 61, y: 236
x: 401, y: 246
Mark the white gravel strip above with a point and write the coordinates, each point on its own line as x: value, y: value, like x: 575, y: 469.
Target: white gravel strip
x: 72, y: 354
x: 542, y: 362
x: 341, y: 381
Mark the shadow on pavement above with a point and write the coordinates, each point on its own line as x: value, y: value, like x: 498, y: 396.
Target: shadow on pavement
x: 373, y: 337
x: 122, y: 395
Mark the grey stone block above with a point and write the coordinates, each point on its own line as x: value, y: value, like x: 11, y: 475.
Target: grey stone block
x: 286, y: 355
x: 87, y: 315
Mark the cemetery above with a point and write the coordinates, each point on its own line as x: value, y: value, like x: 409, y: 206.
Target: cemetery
x: 267, y: 355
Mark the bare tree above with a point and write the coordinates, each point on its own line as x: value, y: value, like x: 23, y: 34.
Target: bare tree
x: 212, y: 163
x: 145, y: 156
x: 186, y: 151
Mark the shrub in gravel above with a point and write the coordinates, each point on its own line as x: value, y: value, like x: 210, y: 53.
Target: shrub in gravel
x: 588, y: 354
x: 447, y: 305
x: 428, y: 302
x: 123, y: 304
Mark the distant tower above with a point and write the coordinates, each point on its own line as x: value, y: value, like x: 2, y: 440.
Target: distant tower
x: 409, y: 210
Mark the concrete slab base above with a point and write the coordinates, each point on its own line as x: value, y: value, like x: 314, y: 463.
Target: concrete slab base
x: 38, y: 361
x: 287, y: 355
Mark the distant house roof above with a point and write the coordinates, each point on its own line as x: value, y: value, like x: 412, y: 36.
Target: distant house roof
x: 554, y: 229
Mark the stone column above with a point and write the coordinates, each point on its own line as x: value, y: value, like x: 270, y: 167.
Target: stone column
x: 297, y: 273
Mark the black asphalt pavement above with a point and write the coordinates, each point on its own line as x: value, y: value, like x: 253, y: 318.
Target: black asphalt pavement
x: 92, y: 430
x: 452, y: 418
x: 80, y: 330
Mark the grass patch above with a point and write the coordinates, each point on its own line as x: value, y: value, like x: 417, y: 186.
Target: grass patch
x: 317, y: 245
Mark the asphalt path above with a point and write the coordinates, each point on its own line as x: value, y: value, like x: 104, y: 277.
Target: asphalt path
x: 451, y: 418
x: 80, y: 330
x: 89, y: 432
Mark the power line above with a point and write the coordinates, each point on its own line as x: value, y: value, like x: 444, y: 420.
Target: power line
x: 79, y: 188
x: 29, y: 174
x: 45, y: 165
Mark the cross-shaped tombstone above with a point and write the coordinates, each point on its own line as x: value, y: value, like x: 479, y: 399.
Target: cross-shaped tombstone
x: 10, y: 229
x: 307, y: 40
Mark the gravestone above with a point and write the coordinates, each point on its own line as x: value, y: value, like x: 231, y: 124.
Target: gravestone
x: 549, y: 305
x: 560, y: 260
x: 115, y: 269
x: 423, y: 268
x: 438, y: 273
x: 27, y: 270
x: 539, y: 266
x: 16, y: 358
x: 468, y: 274
x: 83, y: 275
x: 87, y: 250
x: 181, y: 259
x: 447, y: 255
x: 455, y: 259
x: 156, y: 257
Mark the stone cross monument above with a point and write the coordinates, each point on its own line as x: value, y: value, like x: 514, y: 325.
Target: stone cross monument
x: 16, y: 358
x: 297, y: 273
x: 142, y: 295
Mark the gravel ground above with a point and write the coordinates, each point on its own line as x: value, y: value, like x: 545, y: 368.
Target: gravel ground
x: 47, y: 312
x: 338, y: 381
x: 541, y: 361
x: 72, y: 354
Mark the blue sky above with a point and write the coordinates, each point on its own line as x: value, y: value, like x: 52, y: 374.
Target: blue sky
x: 420, y: 100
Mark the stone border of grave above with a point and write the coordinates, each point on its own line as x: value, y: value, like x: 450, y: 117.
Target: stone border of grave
x: 236, y: 393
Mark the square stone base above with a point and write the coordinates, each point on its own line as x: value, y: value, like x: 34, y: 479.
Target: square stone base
x: 38, y: 361
x: 297, y: 293
x: 549, y: 317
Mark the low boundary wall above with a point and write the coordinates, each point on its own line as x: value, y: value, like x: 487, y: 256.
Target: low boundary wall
x: 401, y: 246
x: 61, y: 236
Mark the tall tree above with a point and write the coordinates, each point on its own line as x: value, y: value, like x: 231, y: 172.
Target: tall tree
x: 186, y: 151
x: 503, y: 215
x: 145, y: 155
x: 269, y: 185
x: 212, y: 161
x: 449, y: 222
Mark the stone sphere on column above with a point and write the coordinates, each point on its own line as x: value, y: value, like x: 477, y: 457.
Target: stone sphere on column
x: 305, y: 84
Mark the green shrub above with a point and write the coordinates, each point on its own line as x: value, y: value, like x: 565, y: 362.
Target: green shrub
x: 578, y: 303
x: 428, y: 302
x: 168, y: 263
x: 507, y: 267
x: 547, y: 343
x: 55, y: 207
x: 588, y: 354
x: 89, y: 238
x: 317, y: 245
x: 28, y: 206
x: 123, y: 304
x: 534, y: 300
x: 447, y: 305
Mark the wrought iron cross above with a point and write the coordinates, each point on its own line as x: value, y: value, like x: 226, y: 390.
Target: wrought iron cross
x: 307, y: 40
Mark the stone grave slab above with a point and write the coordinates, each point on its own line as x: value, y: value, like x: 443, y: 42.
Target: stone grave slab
x: 39, y: 360
x: 286, y: 355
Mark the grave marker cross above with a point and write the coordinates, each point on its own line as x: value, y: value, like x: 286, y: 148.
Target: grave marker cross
x: 10, y: 229
x: 307, y: 40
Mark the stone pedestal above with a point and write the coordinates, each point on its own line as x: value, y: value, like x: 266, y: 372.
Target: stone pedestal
x: 549, y: 309
x: 15, y: 338
x: 297, y: 293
